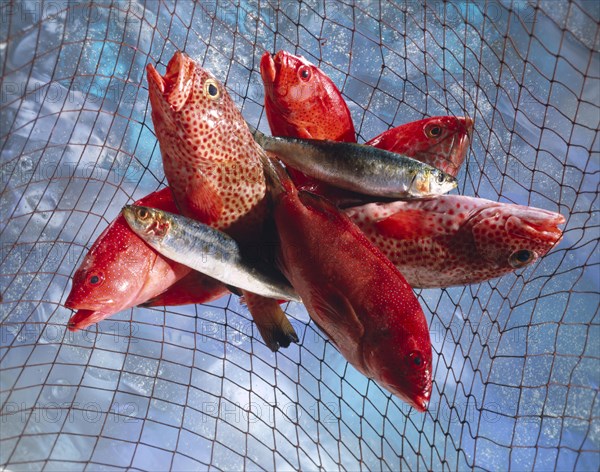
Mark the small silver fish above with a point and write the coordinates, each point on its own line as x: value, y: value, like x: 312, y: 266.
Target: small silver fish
x: 359, y: 168
x: 204, y: 249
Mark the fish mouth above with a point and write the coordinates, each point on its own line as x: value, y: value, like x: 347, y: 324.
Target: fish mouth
x: 466, y: 134
x: 275, y: 91
x: 412, y: 389
x: 175, y: 85
x: 451, y: 184
x: 69, y: 303
x: 420, y: 403
x: 467, y: 124
x: 536, y: 225
x: 418, y: 400
x: 72, y: 302
x: 461, y: 141
x: 268, y: 71
x: 155, y: 79
x: 281, y: 59
x: 84, y: 318
x: 80, y: 302
x: 179, y: 72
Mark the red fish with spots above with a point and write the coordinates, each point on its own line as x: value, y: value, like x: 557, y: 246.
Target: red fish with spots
x: 209, y: 156
x: 121, y: 271
x: 457, y: 240
x: 352, y: 291
x: 212, y: 164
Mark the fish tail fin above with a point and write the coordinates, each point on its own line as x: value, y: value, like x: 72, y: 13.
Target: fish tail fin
x: 258, y: 136
x: 277, y: 177
x: 274, y: 327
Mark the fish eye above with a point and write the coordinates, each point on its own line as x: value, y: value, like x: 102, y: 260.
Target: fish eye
x: 95, y: 278
x: 143, y: 213
x: 211, y: 89
x: 521, y: 258
x: 441, y: 178
x: 433, y: 131
x: 416, y: 359
x: 304, y: 73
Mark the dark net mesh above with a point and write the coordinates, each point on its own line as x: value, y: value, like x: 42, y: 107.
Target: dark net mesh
x: 516, y: 359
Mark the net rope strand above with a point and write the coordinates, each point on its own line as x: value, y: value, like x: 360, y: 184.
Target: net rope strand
x: 515, y: 358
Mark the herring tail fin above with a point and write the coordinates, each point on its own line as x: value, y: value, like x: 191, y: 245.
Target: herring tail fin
x: 277, y: 177
x: 258, y: 136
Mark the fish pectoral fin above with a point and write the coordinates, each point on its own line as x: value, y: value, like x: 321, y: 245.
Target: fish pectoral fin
x: 334, y: 307
x: 203, y: 200
x: 406, y: 224
x: 272, y: 323
x: 302, y: 133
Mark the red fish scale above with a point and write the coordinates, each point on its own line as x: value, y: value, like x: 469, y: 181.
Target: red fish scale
x: 191, y: 289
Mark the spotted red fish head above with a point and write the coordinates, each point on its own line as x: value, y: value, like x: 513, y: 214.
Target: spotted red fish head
x: 187, y: 93
x: 301, y: 101
x: 401, y: 361
x: 514, y: 236
x: 441, y: 141
x: 110, y: 277
x: 210, y: 158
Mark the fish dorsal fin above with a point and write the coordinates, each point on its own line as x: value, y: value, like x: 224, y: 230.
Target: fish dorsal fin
x: 407, y: 224
x: 335, y: 314
x: 321, y: 205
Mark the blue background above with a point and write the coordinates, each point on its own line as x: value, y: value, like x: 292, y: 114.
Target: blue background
x: 516, y: 360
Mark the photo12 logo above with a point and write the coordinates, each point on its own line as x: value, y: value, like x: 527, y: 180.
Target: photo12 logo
x: 264, y: 412
x: 70, y: 12
x: 456, y: 14
x: 28, y: 333
x: 68, y: 412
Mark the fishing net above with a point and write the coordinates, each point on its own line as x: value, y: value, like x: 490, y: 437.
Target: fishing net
x: 516, y: 359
